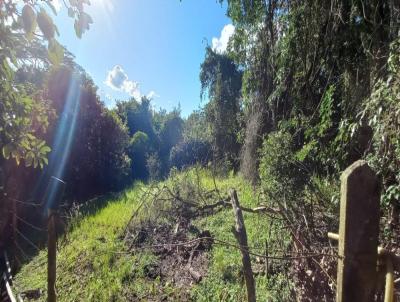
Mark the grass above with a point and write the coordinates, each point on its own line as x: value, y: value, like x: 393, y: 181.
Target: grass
x: 89, y: 269
x: 93, y: 265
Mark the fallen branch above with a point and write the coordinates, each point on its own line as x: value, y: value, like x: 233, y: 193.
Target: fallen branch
x: 194, y: 274
x: 226, y: 203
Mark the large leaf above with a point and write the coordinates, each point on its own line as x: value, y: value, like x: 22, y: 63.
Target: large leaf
x: 28, y: 20
x: 7, y: 149
x: 45, y: 149
x: 46, y: 24
x: 78, y: 29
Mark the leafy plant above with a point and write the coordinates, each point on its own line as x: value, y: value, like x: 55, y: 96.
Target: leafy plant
x: 24, y: 116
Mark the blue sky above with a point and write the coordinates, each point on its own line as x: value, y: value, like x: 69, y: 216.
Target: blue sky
x: 148, y: 47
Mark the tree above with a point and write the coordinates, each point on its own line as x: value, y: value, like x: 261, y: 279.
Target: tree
x: 94, y: 159
x: 196, y: 127
x: 20, y: 110
x: 222, y: 80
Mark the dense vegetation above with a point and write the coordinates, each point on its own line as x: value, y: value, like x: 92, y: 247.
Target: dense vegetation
x: 304, y: 89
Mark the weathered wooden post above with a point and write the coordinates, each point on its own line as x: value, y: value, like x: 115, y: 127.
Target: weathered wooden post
x: 358, y: 234
x: 14, y: 220
x: 241, y: 236
x: 53, y: 197
x: 51, y: 257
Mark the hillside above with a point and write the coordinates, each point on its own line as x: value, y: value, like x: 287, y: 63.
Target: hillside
x: 96, y: 262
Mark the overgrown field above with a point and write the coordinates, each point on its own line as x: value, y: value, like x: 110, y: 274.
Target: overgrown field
x: 124, y: 251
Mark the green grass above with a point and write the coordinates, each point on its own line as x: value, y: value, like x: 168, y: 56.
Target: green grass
x: 88, y: 267
x: 93, y: 264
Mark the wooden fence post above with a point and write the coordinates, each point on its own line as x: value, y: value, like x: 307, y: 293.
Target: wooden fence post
x: 14, y: 220
x: 241, y: 236
x: 358, y: 234
x: 51, y: 257
x: 52, y: 199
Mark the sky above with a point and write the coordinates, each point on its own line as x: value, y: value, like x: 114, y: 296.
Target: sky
x: 148, y: 48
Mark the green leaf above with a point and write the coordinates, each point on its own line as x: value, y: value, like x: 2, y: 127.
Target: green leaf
x: 78, y: 29
x: 46, y: 24
x: 45, y: 149
x: 35, y: 163
x: 40, y: 144
x: 55, y: 52
x: 28, y: 19
x: 7, y: 149
x: 7, y: 70
x: 30, y: 136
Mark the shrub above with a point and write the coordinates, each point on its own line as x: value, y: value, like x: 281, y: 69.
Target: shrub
x: 280, y: 173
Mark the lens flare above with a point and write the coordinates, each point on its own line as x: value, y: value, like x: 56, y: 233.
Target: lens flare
x: 63, y: 140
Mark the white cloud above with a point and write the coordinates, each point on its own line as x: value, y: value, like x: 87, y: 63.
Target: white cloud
x: 131, y: 87
x: 117, y: 79
x: 152, y: 94
x: 220, y: 44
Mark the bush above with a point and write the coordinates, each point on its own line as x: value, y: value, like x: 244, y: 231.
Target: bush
x: 280, y: 173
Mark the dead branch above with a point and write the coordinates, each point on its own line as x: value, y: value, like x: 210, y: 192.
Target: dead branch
x: 194, y: 274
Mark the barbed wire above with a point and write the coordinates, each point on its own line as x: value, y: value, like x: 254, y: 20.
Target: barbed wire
x: 24, y: 255
x: 27, y: 203
x: 284, y: 257
x: 31, y: 225
x: 27, y: 240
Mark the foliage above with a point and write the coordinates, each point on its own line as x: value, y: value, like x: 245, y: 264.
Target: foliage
x: 222, y: 80
x: 190, y: 152
x: 381, y: 112
x: 281, y: 174
x: 98, y: 161
x: 23, y: 116
x: 153, y: 136
x: 196, y: 127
